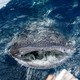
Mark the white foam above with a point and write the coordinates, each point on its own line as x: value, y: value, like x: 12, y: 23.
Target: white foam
x: 3, y: 3
x: 76, y: 4
x: 48, y: 12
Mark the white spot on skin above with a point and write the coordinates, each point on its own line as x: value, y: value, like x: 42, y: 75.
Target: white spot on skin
x: 3, y: 3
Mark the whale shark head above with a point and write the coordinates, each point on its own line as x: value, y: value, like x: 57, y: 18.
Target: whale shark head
x: 39, y: 45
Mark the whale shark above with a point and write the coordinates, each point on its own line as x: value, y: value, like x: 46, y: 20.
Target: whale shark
x: 40, y: 45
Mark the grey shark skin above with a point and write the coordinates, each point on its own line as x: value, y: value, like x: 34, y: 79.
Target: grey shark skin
x: 40, y: 47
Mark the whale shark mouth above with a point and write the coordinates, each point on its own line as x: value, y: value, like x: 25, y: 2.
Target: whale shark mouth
x: 33, y: 53
x: 41, y: 46
x: 42, y: 57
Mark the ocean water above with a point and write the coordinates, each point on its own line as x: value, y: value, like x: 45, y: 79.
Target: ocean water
x: 14, y: 17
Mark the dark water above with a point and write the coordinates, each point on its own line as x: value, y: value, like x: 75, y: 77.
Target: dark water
x: 15, y: 16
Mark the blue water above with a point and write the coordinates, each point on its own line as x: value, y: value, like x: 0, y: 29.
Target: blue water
x: 13, y: 19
